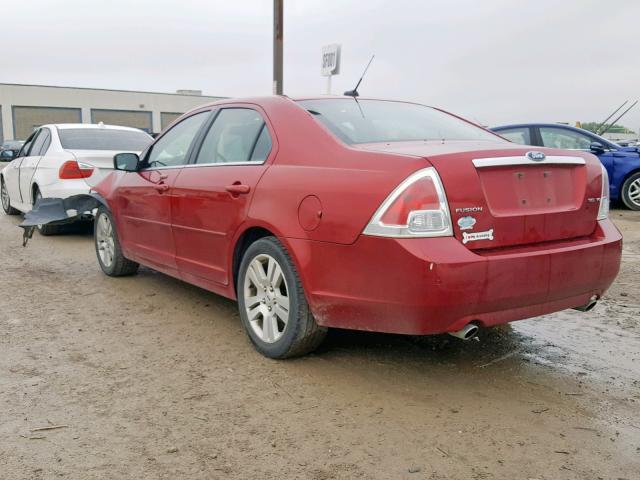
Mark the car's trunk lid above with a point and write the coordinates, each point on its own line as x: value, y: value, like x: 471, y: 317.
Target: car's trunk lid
x: 100, y: 160
x: 499, y: 197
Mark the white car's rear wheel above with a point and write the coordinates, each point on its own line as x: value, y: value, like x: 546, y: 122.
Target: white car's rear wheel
x: 6, y: 201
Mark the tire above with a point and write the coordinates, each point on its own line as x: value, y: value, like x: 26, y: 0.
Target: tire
x: 108, y: 250
x: 296, y: 335
x: 6, y: 201
x: 47, y: 230
x: 631, y: 192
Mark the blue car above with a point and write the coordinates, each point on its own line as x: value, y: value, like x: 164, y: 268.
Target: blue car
x: 622, y: 163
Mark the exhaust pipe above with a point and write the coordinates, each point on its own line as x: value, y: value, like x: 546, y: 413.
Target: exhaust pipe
x: 589, y: 305
x: 467, y: 332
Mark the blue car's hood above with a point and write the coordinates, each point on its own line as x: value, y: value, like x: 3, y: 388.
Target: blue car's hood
x: 630, y: 150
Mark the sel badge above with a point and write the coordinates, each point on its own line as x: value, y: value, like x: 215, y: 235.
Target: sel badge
x: 466, y: 223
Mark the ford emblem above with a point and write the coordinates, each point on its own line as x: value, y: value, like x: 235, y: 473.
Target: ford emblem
x: 536, y: 156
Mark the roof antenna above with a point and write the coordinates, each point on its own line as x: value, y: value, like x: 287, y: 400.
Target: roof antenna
x: 354, y: 93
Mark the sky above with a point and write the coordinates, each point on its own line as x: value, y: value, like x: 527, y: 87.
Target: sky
x: 492, y: 61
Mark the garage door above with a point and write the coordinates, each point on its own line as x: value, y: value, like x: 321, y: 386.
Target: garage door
x: 167, y: 117
x: 26, y: 119
x: 126, y: 118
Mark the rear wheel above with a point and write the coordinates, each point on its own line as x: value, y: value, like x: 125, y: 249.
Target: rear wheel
x: 273, y: 307
x: 110, y: 257
x: 47, y: 230
x: 6, y: 201
x: 631, y: 192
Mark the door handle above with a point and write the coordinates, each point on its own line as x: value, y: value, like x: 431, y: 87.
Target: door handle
x: 161, y: 187
x: 238, y: 189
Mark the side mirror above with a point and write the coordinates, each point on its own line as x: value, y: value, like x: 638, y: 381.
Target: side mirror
x: 597, y: 148
x: 7, y: 155
x: 128, y: 162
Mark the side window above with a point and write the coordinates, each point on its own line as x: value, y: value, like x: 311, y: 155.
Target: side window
x: 561, y: 138
x: 46, y: 141
x: 517, y: 135
x: 27, y: 144
x: 171, y: 150
x: 38, y: 143
x: 237, y: 135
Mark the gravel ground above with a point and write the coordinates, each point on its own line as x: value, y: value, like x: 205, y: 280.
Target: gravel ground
x: 148, y: 377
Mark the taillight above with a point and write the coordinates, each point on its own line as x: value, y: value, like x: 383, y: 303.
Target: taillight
x: 71, y: 169
x: 603, y: 211
x: 416, y: 208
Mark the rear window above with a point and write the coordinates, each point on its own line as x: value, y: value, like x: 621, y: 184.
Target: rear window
x: 103, y: 139
x: 373, y: 121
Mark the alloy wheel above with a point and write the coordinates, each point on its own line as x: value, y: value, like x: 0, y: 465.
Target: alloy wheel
x: 266, y: 298
x: 634, y: 192
x: 105, y: 241
x: 6, y: 202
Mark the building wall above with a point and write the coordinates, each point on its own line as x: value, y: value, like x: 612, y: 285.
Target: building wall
x: 141, y: 109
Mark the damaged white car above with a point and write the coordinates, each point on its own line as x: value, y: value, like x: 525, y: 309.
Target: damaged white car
x: 59, y: 161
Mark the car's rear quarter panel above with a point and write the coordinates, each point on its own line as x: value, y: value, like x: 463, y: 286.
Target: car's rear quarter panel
x: 350, y: 184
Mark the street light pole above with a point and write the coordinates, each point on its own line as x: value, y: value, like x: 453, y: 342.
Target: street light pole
x: 277, y: 46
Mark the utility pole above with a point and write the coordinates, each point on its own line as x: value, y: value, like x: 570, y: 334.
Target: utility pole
x: 277, y: 46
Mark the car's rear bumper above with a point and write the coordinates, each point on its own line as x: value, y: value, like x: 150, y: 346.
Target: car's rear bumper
x: 424, y: 286
x: 65, y: 188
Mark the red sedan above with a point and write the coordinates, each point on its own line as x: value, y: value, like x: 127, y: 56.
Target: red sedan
x: 369, y: 214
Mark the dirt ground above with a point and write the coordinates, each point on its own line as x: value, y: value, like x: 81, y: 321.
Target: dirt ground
x: 148, y: 377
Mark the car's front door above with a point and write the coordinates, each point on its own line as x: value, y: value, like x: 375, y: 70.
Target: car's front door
x: 143, y: 198
x: 12, y: 175
x: 213, y: 194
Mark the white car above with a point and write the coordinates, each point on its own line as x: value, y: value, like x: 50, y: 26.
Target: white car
x: 58, y: 161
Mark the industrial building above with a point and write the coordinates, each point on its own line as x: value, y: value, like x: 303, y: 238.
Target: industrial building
x: 25, y: 107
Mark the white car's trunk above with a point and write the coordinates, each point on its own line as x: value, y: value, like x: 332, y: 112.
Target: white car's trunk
x: 100, y: 160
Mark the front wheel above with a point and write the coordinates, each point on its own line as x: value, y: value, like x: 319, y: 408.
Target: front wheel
x: 273, y: 308
x: 6, y: 201
x: 110, y: 257
x: 631, y: 192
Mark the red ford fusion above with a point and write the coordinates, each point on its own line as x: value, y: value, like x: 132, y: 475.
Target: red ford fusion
x: 360, y: 214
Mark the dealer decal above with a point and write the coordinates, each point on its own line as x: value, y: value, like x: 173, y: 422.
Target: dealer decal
x: 473, y: 236
x: 466, y: 223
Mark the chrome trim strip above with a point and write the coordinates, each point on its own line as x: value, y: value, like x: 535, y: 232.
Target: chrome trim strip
x: 506, y: 161
x: 192, y: 165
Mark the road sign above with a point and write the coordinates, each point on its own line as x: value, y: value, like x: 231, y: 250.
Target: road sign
x: 330, y: 60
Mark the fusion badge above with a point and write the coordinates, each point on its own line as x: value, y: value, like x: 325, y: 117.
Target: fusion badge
x: 466, y: 223
x: 473, y: 236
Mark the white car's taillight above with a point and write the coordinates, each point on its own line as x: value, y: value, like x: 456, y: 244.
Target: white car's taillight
x: 71, y: 170
x: 603, y: 211
x: 416, y: 208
